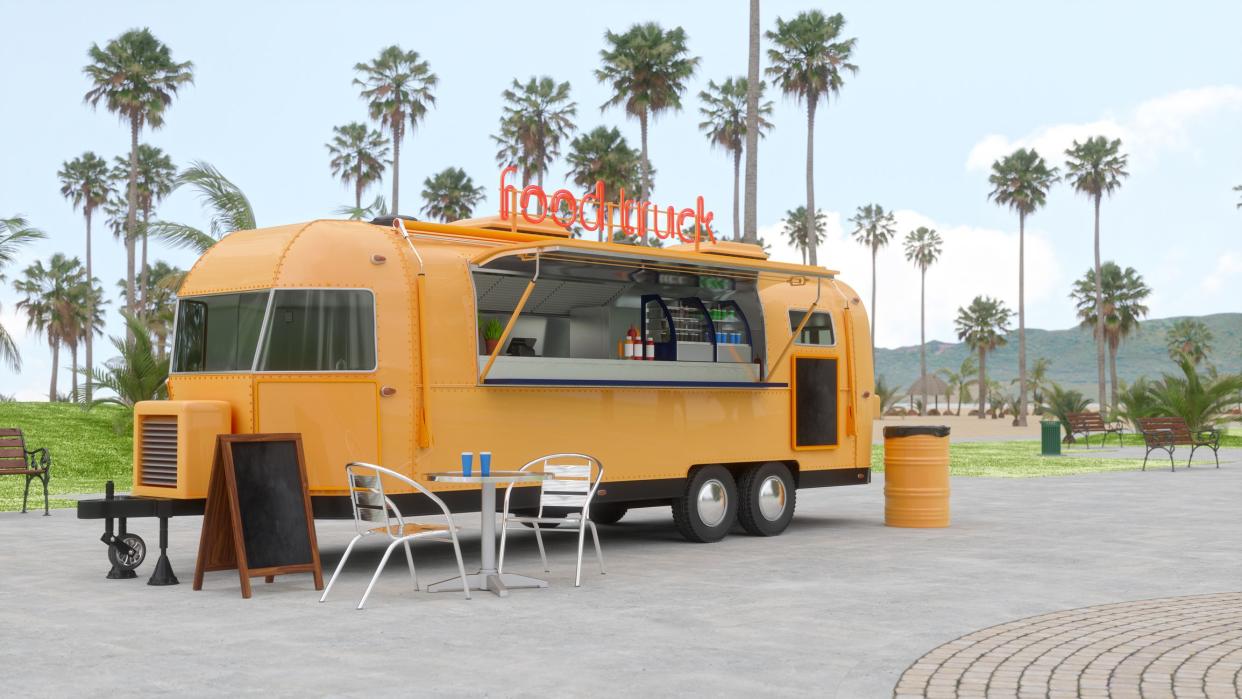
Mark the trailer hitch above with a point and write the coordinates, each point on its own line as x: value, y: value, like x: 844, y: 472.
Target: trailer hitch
x: 125, y: 551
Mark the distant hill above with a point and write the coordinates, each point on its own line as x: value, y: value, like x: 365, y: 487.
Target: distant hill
x: 1072, y: 353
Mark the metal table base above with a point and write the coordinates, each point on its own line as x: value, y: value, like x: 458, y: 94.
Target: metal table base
x: 487, y: 577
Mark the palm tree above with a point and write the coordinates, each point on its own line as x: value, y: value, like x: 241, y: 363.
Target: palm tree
x: 86, y: 182
x: 157, y: 176
x: 1201, y: 401
x: 795, y: 230
x: 923, y: 249
x: 156, y: 309
x: 1238, y: 188
x: 84, y: 318
x: 137, y: 374
x: 50, y: 295
x: 603, y: 155
x: 1021, y: 181
x: 1190, y: 337
x: 751, y: 230
x: 15, y: 233
x: 450, y: 195
x: 648, y: 68
x: 360, y: 213
x: 959, y: 381
x: 398, y: 87
x: 809, y: 63
x: 982, y: 326
x: 1124, y: 293
x: 1039, y: 379
x: 874, y: 227
x: 1096, y: 168
x: 229, y: 208
x: 358, y: 156
x: 136, y: 78
x: 534, y: 120
x: 724, y: 112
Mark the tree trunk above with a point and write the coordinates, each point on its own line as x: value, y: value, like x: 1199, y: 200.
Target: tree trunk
x: 1021, y: 416
x: 358, y: 187
x: 1112, y: 371
x: 1099, y: 310
x: 396, y: 163
x: 812, y: 238
x: 144, y: 280
x: 751, y: 231
x: 737, y: 218
x: 51, y: 392
x: 131, y: 221
x: 983, y: 381
x: 874, y: 250
x: 923, y: 335
x: 90, y: 309
x: 73, y: 353
x: 643, y: 191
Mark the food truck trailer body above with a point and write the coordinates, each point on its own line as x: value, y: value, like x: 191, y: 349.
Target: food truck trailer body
x: 367, y: 339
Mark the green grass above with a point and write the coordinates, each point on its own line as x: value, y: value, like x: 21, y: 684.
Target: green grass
x: 1227, y: 439
x: 87, y: 450
x: 1019, y: 459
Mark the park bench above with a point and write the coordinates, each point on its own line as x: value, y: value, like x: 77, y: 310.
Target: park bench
x: 1168, y: 432
x: 1087, y: 424
x: 17, y: 460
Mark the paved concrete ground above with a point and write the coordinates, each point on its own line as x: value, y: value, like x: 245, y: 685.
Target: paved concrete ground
x: 837, y: 606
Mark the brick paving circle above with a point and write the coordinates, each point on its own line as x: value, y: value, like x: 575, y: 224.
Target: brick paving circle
x: 1172, y: 647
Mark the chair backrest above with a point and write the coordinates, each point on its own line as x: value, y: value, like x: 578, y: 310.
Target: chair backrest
x: 372, y: 506
x: 571, y: 482
x: 12, y: 449
x: 1175, y: 425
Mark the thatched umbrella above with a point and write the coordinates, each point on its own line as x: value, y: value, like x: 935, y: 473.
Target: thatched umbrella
x: 935, y: 386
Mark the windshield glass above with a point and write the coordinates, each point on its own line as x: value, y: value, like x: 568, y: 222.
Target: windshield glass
x: 320, y: 330
x: 218, y: 333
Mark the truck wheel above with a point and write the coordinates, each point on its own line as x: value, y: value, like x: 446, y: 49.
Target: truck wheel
x: 767, y: 497
x: 607, y: 513
x: 708, y: 509
x: 128, y: 561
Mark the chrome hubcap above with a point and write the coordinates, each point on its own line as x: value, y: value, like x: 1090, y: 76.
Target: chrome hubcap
x: 713, y: 503
x: 772, y: 498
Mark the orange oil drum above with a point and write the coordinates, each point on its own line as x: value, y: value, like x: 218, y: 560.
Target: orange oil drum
x: 916, y: 476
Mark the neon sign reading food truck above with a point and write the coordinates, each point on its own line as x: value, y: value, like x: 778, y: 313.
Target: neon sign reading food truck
x: 594, y: 213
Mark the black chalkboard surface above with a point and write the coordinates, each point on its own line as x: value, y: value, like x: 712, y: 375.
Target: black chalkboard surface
x: 258, y: 514
x: 815, y: 398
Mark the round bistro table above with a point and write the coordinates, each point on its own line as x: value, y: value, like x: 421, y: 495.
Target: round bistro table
x: 487, y: 577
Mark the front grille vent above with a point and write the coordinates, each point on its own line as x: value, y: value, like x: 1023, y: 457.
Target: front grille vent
x: 159, y: 451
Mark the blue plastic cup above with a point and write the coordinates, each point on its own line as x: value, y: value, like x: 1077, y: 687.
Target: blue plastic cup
x: 485, y: 463
x: 467, y: 462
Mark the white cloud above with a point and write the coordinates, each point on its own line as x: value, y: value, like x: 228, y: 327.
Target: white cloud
x: 973, y: 261
x: 1156, y: 125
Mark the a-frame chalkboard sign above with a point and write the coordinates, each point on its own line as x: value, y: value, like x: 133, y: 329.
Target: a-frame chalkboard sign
x: 258, y: 516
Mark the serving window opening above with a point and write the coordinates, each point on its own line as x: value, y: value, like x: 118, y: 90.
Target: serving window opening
x: 607, y: 321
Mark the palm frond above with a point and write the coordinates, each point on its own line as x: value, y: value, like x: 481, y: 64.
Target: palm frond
x: 180, y: 235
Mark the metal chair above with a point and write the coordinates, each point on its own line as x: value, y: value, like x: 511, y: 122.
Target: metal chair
x: 571, y: 486
x: 370, y: 504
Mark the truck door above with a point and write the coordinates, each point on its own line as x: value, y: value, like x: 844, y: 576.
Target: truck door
x: 815, y: 378
x: 318, y: 376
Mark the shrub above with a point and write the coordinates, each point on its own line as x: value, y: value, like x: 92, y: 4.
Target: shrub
x: 1062, y: 401
x: 1200, y: 400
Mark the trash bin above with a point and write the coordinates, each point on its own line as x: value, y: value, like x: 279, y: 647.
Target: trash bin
x: 916, y: 476
x: 1050, y: 437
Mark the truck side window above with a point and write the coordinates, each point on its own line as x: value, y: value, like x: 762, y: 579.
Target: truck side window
x: 218, y: 333
x: 817, y: 331
x: 320, y: 330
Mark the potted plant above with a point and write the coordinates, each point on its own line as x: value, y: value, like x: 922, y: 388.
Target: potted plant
x: 492, y: 331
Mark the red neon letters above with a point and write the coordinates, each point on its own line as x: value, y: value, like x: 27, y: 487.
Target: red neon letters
x: 566, y: 210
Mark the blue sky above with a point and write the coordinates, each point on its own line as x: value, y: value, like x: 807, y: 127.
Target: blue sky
x: 943, y: 89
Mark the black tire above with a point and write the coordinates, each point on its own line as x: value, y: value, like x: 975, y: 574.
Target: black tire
x: 131, y: 560
x: 689, y: 516
x: 760, y: 487
x: 608, y: 513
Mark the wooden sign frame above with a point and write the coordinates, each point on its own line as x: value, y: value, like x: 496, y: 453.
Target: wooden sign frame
x: 222, y: 544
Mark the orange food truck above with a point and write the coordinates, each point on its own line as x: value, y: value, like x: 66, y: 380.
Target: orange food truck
x: 702, y: 375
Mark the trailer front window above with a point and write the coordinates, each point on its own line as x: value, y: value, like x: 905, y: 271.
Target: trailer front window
x: 320, y: 330
x: 218, y: 333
